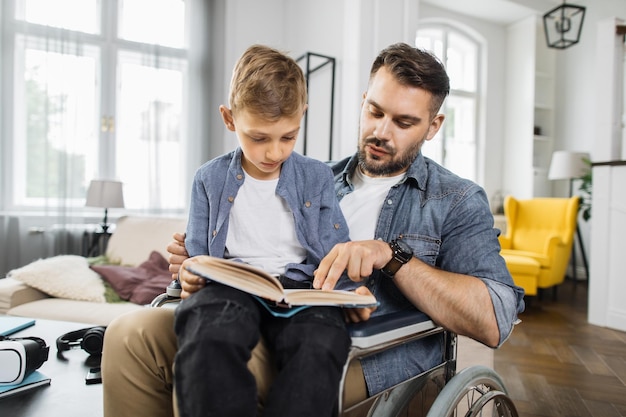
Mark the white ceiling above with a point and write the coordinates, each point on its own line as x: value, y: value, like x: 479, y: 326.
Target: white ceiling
x: 498, y: 11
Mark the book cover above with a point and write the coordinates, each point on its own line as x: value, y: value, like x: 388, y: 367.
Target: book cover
x: 32, y: 381
x: 266, y: 287
x: 11, y: 324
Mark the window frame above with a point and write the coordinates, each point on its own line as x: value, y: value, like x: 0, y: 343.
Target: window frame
x: 446, y: 28
x: 109, y: 46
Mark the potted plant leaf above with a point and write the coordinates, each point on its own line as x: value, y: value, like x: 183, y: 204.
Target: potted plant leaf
x: 586, y: 190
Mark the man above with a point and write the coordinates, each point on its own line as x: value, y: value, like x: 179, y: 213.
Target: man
x: 421, y: 237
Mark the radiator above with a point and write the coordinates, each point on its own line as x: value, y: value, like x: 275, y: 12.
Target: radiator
x: 24, y: 239
x: 66, y: 239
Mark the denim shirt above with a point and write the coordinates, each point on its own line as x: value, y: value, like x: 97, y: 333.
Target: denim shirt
x: 305, y: 184
x: 448, y: 223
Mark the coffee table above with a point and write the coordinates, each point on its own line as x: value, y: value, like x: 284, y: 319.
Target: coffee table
x: 67, y: 395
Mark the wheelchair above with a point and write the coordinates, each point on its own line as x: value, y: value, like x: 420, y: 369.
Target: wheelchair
x: 438, y: 392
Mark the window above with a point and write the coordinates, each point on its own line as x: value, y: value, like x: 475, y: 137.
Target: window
x: 455, y: 146
x: 95, y: 93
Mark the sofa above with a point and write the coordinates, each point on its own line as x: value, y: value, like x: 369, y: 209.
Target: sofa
x: 96, y: 290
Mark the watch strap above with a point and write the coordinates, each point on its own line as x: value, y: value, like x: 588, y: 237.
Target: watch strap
x: 399, y: 257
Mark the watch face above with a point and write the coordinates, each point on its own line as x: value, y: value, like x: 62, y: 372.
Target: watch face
x: 404, y: 247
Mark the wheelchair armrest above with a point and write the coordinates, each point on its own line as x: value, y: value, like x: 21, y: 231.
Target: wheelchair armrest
x: 389, y: 329
x: 165, y: 300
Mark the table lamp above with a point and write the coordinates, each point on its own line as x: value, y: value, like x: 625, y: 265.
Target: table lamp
x: 107, y: 194
x: 567, y: 165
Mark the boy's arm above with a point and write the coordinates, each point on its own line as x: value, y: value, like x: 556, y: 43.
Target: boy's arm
x: 196, y: 238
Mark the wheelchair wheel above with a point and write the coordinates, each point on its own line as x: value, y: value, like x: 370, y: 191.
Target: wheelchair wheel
x: 475, y: 391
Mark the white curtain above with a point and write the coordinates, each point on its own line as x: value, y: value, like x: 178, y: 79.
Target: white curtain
x: 53, y: 130
x: 79, y: 114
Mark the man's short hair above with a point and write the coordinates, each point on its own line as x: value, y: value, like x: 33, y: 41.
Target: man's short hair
x: 415, y: 67
x: 267, y: 83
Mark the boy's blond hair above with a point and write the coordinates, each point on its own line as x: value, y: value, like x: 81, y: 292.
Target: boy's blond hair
x: 267, y: 83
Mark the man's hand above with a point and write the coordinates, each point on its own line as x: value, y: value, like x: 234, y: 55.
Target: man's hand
x: 178, y: 259
x: 177, y: 252
x: 355, y: 315
x: 359, y: 259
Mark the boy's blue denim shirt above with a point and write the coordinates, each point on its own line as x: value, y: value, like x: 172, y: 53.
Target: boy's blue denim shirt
x: 305, y: 184
x: 448, y: 223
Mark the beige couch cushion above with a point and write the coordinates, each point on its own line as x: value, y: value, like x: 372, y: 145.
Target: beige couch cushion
x: 135, y: 237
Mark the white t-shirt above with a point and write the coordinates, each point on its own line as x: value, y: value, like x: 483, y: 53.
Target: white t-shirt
x: 261, y: 228
x: 361, y: 207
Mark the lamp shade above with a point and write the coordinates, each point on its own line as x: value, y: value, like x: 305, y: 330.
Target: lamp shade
x: 563, y: 25
x: 566, y: 165
x: 106, y: 194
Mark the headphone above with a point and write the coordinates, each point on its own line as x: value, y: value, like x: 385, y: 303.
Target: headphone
x: 89, y: 339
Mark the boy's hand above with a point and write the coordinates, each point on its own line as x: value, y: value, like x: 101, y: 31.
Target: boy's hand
x: 358, y: 258
x: 356, y: 315
x: 189, y: 281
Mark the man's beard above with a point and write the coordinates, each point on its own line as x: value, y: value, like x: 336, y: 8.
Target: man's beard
x: 399, y: 163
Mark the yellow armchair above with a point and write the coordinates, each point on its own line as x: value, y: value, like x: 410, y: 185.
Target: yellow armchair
x: 539, y: 237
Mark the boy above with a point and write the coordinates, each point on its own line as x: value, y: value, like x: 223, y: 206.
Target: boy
x: 272, y: 208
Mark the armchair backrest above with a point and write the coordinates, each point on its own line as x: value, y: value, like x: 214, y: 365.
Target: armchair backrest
x: 531, y: 223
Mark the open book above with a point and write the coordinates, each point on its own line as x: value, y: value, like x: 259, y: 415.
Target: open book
x: 267, y: 287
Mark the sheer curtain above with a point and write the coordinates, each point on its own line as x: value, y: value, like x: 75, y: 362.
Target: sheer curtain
x: 55, y: 137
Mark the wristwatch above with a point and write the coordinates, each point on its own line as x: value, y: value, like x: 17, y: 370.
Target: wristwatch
x: 401, y: 254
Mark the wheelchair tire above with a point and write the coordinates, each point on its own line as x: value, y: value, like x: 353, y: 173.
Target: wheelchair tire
x: 475, y: 391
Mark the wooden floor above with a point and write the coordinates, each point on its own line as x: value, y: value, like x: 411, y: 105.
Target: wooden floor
x: 557, y: 364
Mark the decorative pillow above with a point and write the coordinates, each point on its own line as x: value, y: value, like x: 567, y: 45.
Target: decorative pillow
x: 138, y: 284
x: 63, y: 276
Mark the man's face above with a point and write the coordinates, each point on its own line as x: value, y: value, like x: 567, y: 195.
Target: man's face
x: 395, y: 121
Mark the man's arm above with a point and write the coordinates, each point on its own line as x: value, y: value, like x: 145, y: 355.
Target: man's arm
x: 468, y: 307
x: 459, y: 303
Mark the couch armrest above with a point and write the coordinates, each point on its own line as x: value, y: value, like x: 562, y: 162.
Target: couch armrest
x: 14, y: 293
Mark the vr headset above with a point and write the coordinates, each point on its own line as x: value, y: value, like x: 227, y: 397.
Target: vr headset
x: 19, y: 357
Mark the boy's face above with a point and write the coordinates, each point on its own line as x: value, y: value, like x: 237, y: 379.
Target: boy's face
x: 395, y: 121
x: 265, y: 144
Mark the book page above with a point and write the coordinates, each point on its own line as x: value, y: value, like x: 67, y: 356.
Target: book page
x: 241, y: 276
x: 335, y: 297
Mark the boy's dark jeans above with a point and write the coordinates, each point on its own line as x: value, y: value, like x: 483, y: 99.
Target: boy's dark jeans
x: 217, y: 328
